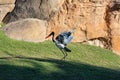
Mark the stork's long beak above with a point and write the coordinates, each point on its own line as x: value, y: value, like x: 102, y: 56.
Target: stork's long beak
x: 48, y: 36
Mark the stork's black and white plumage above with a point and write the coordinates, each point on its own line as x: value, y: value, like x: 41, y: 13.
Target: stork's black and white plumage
x: 62, y: 40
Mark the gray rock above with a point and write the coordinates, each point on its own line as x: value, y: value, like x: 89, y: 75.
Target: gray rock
x: 41, y: 9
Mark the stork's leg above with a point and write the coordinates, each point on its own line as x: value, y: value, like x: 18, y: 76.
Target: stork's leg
x: 63, y: 54
x: 62, y: 51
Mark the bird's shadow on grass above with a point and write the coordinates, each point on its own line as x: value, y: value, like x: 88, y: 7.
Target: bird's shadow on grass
x: 69, y: 71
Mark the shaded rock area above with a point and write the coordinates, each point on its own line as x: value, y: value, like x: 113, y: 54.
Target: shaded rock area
x: 6, y: 6
x: 97, y: 20
x: 41, y: 9
x: 31, y: 30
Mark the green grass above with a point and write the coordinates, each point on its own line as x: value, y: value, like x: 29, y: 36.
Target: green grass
x: 2, y: 25
x: 21, y: 60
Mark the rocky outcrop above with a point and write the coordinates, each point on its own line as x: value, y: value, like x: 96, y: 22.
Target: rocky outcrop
x: 63, y: 14
x: 6, y: 6
x: 31, y: 30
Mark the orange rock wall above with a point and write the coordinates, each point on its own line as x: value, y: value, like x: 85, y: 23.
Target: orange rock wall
x: 89, y: 16
x: 115, y: 27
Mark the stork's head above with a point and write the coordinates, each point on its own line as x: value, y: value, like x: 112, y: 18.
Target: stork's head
x: 52, y: 33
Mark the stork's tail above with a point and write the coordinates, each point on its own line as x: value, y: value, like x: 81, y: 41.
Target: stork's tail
x: 66, y: 49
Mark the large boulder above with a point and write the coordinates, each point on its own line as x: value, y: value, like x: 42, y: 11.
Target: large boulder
x: 32, y: 30
x: 6, y: 6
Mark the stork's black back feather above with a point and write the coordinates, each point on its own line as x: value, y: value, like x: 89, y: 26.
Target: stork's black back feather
x: 66, y: 49
x: 60, y: 38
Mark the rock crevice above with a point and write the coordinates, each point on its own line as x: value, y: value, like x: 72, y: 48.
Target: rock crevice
x: 108, y: 30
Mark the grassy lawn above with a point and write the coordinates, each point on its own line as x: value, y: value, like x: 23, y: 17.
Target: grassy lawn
x: 21, y: 60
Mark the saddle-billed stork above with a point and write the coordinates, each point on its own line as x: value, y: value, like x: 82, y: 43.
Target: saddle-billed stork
x: 62, y: 40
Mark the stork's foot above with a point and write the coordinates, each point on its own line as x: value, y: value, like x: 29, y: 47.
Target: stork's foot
x: 64, y: 57
x: 64, y: 53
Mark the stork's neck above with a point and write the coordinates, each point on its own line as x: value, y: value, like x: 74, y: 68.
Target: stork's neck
x: 53, y: 34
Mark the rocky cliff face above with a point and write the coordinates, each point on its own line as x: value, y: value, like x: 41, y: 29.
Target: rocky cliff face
x: 89, y: 16
x: 97, y: 20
